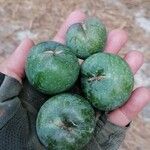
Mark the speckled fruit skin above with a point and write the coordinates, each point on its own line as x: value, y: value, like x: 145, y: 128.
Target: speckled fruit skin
x: 65, y: 122
x: 107, y: 81
x: 86, y: 38
x: 51, y: 67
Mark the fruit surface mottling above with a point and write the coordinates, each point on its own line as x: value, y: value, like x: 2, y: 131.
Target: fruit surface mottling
x: 86, y: 38
x: 107, y: 80
x: 51, y: 67
x: 65, y: 122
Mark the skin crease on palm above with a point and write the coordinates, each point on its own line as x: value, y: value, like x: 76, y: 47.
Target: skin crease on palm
x: 14, y: 67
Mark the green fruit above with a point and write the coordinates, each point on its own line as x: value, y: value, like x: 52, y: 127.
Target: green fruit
x: 86, y: 38
x: 51, y: 67
x: 65, y: 122
x: 107, y: 81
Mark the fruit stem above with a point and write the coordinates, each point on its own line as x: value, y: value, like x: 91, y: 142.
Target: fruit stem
x: 58, y: 52
x: 83, y: 26
x: 96, y: 78
x: 66, y: 125
x: 53, y: 52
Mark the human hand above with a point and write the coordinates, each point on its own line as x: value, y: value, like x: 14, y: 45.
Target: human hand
x: 14, y: 67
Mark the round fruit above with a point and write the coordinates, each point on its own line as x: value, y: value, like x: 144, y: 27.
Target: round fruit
x: 86, y: 38
x: 107, y: 81
x: 51, y: 67
x: 65, y: 122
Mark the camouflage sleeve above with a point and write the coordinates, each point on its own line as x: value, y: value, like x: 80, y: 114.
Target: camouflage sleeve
x: 107, y: 136
x: 18, y: 109
x: 17, y: 124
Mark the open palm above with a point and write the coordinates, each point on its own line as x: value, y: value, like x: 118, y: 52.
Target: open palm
x: 14, y: 67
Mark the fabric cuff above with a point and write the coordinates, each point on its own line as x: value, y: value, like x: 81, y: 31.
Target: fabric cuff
x: 107, y: 136
x: 9, y: 87
x: 103, y: 122
x: 9, y: 101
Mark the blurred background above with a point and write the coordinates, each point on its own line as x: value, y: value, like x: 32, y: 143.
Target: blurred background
x: 40, y: 20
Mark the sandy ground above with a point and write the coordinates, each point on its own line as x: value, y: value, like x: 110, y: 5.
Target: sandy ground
x: 40, y: 20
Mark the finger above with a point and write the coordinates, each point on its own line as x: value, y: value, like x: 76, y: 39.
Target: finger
x: 74, y: 17
x: 116, y: 40
x: 123, y: 115
x: 14, y: 64
x: 135, y: 60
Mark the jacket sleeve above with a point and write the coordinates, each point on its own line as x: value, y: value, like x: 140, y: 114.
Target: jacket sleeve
x: 107, y: 136
x: 9, y: 102
x: 17, y: 124
x: 18, y: 109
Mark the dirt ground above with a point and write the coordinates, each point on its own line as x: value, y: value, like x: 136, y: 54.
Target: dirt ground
x: 40, y: 20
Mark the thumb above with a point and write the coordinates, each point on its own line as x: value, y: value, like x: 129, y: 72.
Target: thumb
x: 14, y: 65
